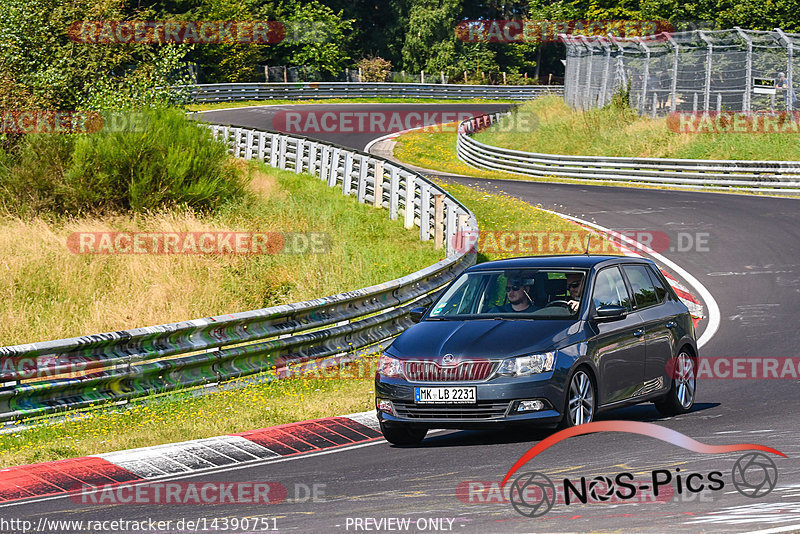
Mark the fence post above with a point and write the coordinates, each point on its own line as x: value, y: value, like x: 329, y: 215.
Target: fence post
x: 394, y: 193
x: 789, y: 75
x: 719, y: 102
x: 606, y: 73
x: 709, y: 54
x: 438, y: 221
x: 378, y: 200
x: 746, y: 105
x: 673, y: 96
x: 408, y: 219
x: 273, y: 150
x: 694, y: 102
x: 587, y: 94
x: 645, y: 75
x: 312, y: 158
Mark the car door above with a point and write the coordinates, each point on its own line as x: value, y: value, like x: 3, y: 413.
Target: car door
x: 617, y: 347
x: 658, y: 326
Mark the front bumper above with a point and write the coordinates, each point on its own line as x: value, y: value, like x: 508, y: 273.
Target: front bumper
x: 495, y: 406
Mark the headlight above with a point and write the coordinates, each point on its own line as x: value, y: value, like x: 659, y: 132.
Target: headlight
x: 390, y: 367
x: 527, y: 365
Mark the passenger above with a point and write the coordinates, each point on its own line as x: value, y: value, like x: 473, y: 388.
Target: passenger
x: 575, y: 290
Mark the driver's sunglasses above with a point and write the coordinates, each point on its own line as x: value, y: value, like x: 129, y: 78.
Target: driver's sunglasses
x: 512, y: 288
x: 573, y: 285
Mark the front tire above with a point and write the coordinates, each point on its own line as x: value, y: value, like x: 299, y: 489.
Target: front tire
x: 403, y: 435
x: 579, y: 405
x: 680, y: 397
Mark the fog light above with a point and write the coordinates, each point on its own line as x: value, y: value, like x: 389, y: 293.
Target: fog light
x: 385, y: 406
x: 530, y: 406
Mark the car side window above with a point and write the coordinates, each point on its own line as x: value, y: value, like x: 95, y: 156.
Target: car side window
x: 661, y: 291
x: 644, y: 294
x: 610, y: 289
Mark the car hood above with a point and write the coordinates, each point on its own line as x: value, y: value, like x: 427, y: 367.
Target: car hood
x: 483, y: 338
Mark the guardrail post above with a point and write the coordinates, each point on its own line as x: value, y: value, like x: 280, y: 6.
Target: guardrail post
x: 438, y: 221
x: 323, y: 164
x: 363, y: 168
x: 333, y: 168
x: 282, y: 142
x: 248, y: 148
x: 450, y: 228
x: 378, y: 188
x: 298, y: 156
x: 347, y: 180
x: 262, y: 146
x: 273, y: 150
x: 394, y: 193
x: 237, y: 142
x: 312, y: 158
x: 425, y: 213
x: 411, y: 189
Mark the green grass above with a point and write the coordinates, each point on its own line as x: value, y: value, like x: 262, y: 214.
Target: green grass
x: 615, y: 131
x: 378, y: 100
x: 184, y: 416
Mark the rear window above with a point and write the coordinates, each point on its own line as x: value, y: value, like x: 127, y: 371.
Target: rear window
x: 644, y: 293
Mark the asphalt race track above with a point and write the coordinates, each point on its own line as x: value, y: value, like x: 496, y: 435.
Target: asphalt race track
x: 749, y: 261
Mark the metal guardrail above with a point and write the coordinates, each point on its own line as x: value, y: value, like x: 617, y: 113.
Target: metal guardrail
x: 741, y: 175
x: 67, y: 374
x: 228, y: 92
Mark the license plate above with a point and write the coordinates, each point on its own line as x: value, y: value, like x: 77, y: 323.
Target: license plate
x: 445, y: 395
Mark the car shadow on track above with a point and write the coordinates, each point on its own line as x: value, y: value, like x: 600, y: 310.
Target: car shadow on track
x: 641, y: 412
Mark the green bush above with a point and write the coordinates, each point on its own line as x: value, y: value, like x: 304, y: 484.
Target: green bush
x: 165, y: 160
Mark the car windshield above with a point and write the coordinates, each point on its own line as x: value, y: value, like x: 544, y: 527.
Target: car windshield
x: 513, y: 294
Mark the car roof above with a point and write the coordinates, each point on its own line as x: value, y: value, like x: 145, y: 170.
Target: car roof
x: 579, y: 261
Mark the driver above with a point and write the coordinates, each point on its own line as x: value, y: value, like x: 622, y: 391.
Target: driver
x: 518, y: 291
x: 575, y: 290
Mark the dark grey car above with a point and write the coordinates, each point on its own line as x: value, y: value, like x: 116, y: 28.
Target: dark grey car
x: 543, y: 340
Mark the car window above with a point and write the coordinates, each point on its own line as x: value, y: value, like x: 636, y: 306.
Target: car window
x: 521, y: 293
x: 610, y: 289
x: 644, y: 294
x: 661, y: 291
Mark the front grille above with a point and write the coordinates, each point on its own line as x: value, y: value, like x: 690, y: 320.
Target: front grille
x: 433, y: 371
x: 480, y: 410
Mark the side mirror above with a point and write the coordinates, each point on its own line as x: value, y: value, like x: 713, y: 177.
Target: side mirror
x: 417, y: 313
x: 610, y: 313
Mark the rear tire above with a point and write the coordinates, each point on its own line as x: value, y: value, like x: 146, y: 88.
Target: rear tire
x: 403, y: 435
x: 580, y: 403
x: 680, y: 397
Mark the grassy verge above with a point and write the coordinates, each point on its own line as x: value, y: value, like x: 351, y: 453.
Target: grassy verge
x: 411, y: 100
x: 615, y: 131
x: 50, y: 293
x: 183, y: 416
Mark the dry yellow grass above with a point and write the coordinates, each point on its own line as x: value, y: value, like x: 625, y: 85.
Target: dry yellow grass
x: 47, y: 292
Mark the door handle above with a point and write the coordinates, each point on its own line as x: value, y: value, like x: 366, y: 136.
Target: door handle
x: 639, y: 332
x: 671, y: 324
